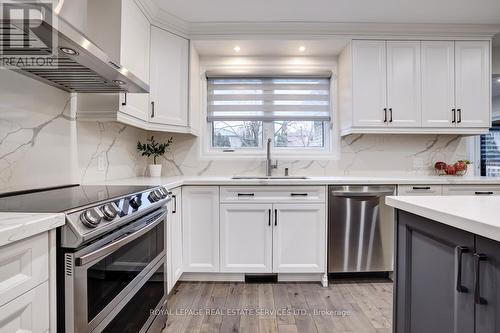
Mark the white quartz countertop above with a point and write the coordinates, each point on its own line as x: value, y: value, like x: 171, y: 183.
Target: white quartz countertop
x: 475, y: 214
x: 173, y: 182
x: 17, y: 226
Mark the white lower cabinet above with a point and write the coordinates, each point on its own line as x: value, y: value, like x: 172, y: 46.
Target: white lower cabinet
x: 200, y: 228
x: 174, y: 239
x: 471, y: 190
x: 29, y: 313
x: 246, y: 238
x: 299, y: 244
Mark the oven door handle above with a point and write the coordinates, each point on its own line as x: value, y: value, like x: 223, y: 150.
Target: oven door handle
x: 115, y: 245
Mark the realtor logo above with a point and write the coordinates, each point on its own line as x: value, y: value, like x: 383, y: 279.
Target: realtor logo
x: 27, y: 35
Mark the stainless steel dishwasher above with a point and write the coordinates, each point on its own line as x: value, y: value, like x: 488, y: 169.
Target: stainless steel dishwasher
x: 361, y: 229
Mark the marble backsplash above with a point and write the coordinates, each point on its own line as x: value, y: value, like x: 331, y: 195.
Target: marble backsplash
x: 360, y: 155
x: 42, y: 144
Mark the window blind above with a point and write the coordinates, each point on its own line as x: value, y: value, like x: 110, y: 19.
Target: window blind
x: 268, y: 99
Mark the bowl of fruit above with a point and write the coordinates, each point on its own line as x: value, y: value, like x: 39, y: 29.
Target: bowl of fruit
x: 459, y: 168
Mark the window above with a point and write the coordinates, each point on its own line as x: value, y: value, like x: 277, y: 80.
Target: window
x: 293, y: 112
x: 490, y: 153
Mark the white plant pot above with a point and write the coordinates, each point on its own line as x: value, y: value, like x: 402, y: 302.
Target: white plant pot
x: 154, y: 170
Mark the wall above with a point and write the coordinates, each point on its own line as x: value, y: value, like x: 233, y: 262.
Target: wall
x: 41, y: 143
x: 496, y: 60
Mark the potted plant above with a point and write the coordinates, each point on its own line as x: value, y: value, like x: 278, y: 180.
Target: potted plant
x: 155, y: 149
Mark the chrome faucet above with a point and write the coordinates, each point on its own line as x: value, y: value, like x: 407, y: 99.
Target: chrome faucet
x: 269, y: 165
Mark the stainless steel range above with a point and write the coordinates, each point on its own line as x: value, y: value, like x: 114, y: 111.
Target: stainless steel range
x: 111, y: 255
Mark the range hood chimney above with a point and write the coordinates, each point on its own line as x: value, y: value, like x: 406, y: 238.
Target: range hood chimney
x: 74, y: 63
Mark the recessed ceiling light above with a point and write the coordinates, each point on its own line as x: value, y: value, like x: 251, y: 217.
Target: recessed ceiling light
x: 237, y: 48
x: 68, y: 51
x: 302, y: 48
x: 119, y: 82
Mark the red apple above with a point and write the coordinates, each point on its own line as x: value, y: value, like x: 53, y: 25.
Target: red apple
x: 460, y: 166
x: 440, y: 166
x: 450, y: 170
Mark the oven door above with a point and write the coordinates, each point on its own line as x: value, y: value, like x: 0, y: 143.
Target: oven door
x: 105, y: 273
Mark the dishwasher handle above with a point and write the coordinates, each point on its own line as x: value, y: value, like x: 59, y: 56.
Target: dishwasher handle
x: 347, y: 194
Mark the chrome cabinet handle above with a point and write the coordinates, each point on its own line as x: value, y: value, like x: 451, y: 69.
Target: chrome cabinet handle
x: 459, y: 111
x: 299, y: 194
x: 115, y: 245
x: 246, y: 194
x: 174, y: 199
x: 269, y: 220
x: 385, y: 115
x: 483, y: 193
x: 454, y: 116
x: 124, y: 99
x: 390, y: 113
x: 477, y: 285
x: 421, y: 187
x: 275, y: 217
x: 460, y: 250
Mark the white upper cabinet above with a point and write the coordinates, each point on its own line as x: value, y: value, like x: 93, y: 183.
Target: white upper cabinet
x: 473, y: 77
x: 438, y: 83
x: 369, y: 80
x: 169, y: 78
x: 126, y: 39
x: 403, y: 84
x: 415, y: 87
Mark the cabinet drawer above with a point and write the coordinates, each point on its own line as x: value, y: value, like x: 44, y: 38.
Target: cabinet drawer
x: 27, y: 313
x: 420, y: 190
x: 264, y: 194
x: 471, y: 190
x: 23, y: 265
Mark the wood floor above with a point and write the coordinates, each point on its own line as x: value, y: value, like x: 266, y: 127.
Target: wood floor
x: 361, y: 306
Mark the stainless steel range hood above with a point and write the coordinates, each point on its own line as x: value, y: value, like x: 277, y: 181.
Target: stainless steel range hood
x: 86, y: 70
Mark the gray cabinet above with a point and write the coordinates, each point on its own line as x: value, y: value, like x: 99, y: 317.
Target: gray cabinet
x: 487, y: 290
x: 434, y: 277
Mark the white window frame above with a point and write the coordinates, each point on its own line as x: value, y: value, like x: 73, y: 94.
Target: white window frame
x: 327, y: 152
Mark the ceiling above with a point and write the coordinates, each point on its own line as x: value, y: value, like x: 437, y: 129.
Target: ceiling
x: 323, y: 47
x: 367, y: 11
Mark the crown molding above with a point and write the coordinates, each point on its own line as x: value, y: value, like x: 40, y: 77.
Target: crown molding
x: 227, y: 30
x: 346, y: 30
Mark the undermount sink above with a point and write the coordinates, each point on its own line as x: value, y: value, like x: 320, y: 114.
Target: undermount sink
x: 270, y: 177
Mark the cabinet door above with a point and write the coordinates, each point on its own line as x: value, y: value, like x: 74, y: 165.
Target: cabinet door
x: 473, y: 77
x: 369, y: 83
x: 200, y: 228
x: 174, y: 230
x: 427, y: 271
x: 403, y: 84
x: 134, y: 51
x: 246, y: 238
x: 299, y: 238
x: 438, y: 83
x: 488, y: 314
x: 27, y: 313
x: 169, y: 78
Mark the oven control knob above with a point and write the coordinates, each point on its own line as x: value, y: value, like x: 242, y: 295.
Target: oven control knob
x: 154, y: 196
x: 109, y: 211
x: 90, y: 218
x: 135, y: 202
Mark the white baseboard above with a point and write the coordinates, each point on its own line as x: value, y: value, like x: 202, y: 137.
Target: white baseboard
x: 240, y: 277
